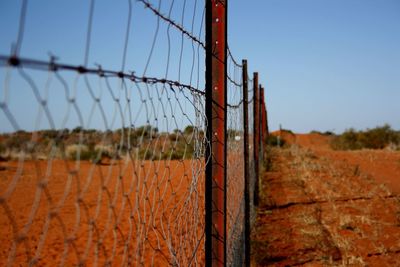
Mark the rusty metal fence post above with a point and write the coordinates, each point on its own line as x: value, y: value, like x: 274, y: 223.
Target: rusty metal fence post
x: 261, y: 129
x: 266, y: 120
x: 256, y: 138
x: 215, y: 198
x: 246, y: 166
x: 263, y: 119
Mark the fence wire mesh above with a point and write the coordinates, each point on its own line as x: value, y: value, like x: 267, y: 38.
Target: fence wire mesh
x: 252, y: 173
x: 235, y: 162
x: 102, y: 157
x: 102, y: 135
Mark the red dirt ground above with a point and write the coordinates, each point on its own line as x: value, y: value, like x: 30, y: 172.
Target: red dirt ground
x: 328, y: 208
x: 75, y: 217
x: 123, y: 213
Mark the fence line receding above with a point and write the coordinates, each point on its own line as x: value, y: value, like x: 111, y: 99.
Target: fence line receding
x: 104, y: 140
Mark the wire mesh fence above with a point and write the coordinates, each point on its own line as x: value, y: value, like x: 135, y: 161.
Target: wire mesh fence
x: 105, y: 165
x: 235, y: 161
x: 252, y: 172
x: 103, y: 135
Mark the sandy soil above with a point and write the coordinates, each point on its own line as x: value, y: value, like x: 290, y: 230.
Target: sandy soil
x: 125, y: 213
x: 328, y: 208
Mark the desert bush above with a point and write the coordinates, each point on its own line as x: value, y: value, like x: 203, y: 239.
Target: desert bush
x: 77, y: 129
x: 379, y: 137
x: 146, y: 131
x: 79, y: 152
x: 329, y: 133
x: 98, y: 152
x: 349, y: 140
x: 272, y: 140
x: 106, y: 151
x: 178, y: 154
x: 376, y: 138
x: 176, y: 137
x: 48, y: 134
x: 287, y: 131
x: 172, y: 137
x: 189, y: 129
x: 180, y: 151
x: 94, y: 145
x: 146, y: 153
x: 17, y: 141
x: 3, y: 148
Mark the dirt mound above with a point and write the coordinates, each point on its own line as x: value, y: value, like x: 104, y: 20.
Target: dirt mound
x: 314, y: 140
x: 288, y: 136
x: 310, y: 140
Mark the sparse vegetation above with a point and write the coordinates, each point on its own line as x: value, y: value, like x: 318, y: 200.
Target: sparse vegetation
x: 272, y: 140
x: 330, y: 205
x: 376, y: 138
x: 287, y: 131
x: 328, y: 133
x: 144, y: 142
x: 79, y: 152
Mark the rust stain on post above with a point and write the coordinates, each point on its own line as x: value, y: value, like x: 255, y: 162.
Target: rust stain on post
x: 263, y: 118
x: 256, y: 133
x: 216, y: 117
x: 247, y: 231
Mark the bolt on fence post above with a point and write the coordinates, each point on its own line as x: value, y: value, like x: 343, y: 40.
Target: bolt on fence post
x: 215, y: 191
x: 246, y: 166
x: 256, y: 136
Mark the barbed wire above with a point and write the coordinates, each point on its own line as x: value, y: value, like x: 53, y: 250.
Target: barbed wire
x: 53, y: 66
x: 173, y: 23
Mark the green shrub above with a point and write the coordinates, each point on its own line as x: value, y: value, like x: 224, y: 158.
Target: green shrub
x: 146, y: 153
x: 180, y: 150
x: 49, y: 134
x: 376, y: 138
x: 379, y: 137
x: 80, y: 152
x: 287, y: 131
x: 328, y: 133
x: 189, y: 129
x: 349, y: 140
x: 17, y: 141
x: 272, y: 140
x: 2, y: 148
x: 102, y: 151
x: 146, y: 131
x: 322, y: 133
x: 176, y: 137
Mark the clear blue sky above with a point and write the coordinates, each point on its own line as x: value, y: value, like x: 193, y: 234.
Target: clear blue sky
x: 325, y: 64
x: 60, y: 27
